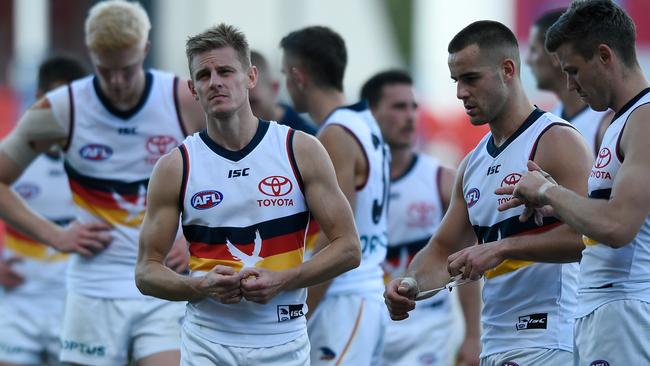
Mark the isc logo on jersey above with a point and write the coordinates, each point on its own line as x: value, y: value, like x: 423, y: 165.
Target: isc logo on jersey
x: 206, y: 199
x: 275, y: 186
x: 96, y: 152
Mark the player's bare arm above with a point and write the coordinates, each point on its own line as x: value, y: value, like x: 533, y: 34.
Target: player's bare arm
x: 613, y: 222
x: 557, y: 245
x: 428, y: 269
x: 37, y: 131
x: 332, y: 211
x: 351, y: 171
x: 158, y: 233
x: 191, y: 112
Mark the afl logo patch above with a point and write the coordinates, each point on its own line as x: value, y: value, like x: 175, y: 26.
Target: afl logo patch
x: 96, y: 152
x: 472, y: 196
x: 275, y: 186
x: 27, y: 190
x: 160, y: 145
x: 511, y: 179
x: 599, y: 363
x: 604, y: 157
x: 206, y: 199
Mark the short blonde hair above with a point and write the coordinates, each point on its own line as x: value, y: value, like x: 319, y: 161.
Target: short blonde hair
x: 220, y: 36
x: 116, y: 24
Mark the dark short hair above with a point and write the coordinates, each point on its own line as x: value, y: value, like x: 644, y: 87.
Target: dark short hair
x: 321, y: 51
x: 59, y: 69
x: 220, y: 36
x: 372, y: 89
x: 587, y: 24
x: 258, y: 60
x: 544, y: 22
x: 491, y: 37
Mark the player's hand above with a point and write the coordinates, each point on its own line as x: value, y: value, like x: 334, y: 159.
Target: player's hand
x: 222, y: 284
x: 178, y: 258
x: 261, y: 285
x: 400, y: 298
x: 473, y: 261
x: 527, y: 190
x: 9, y: 278
x: 85, y: 239
x: 469, y: 352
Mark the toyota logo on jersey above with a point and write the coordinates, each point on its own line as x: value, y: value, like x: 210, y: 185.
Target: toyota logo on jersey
x: 206, y: 199
x: 511, y: 179
x: 275, y: 186
x: 160, y: 145
x: 604, y: 157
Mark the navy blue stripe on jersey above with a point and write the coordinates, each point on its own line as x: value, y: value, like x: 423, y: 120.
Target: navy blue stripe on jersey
x: 604, y: 194
x: 509, y: 227
x: 414, y: 160
x: 186, y: 174
x: 63, y: 222
x: 106, y: 185
x: 292, y: 159
x: 128, y: 113
x: 242, y: 235
x: 69, y: 142
x: 533, y: 151
x: 412, y: 247
x: 177, y: 106
x: 262, y: 127
x: 494, y: 151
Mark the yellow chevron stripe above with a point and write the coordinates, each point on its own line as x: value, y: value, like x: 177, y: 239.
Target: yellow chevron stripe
x: 276, y: 262
x: 112, y: 216
x: 588, y: 241
x: 507, y: 266
x: 32, y: 249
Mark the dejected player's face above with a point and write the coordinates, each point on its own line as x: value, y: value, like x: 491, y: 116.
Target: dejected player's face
x: 587, y: 77
x: 120, y: 71
x: 221, y: 81
x: 542, y: 65
x: 479, y: 84
x: 396, y: 115
x: 294, y: 88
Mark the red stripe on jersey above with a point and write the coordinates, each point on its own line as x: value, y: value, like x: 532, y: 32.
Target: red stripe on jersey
x: 273, y: 246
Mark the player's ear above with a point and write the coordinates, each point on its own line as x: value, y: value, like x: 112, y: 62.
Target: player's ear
x: 252, y: 76
x: 509, y: 69
x: 190, y: 85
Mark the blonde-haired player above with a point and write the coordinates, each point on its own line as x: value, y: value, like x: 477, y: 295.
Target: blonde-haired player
x: 113, y: 126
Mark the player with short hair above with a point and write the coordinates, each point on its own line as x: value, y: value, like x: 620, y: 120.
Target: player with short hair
x: 32, y: 275
x: 244, y: 189
x: 314, y: 61
x: 419, y: 196
x: 595, y: 44
x: 113, y: 126
x: 528, y: 304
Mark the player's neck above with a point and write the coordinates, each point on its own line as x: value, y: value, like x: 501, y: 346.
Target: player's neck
x: 401, y: 159
x: 322, y: 102
x: 512, y: 116
x: 626, y: 87
x: 129, y: 101
x: 235, y: 131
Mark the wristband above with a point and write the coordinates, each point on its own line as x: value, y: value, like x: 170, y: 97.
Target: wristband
x: 542, y: 190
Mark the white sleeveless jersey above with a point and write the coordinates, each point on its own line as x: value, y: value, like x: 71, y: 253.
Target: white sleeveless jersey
x: 109, y: 158
x: 526, y: 304
x: 44, y: 187
x: 245, y: 209
x: 415, y: 211
x: 370, y: 203
x: 586, y: 122
x: 608, y: 274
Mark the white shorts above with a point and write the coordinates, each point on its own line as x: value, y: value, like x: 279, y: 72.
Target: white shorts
x: 198, y: 351
x: 102, y: 331
x: 28, y: 337
x: 617, y: 333
x: 430, y: 337
x: 529, y: 357
x: 348, y: 330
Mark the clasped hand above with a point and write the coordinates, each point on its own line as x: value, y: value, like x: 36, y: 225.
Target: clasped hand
x: 258, y: 285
